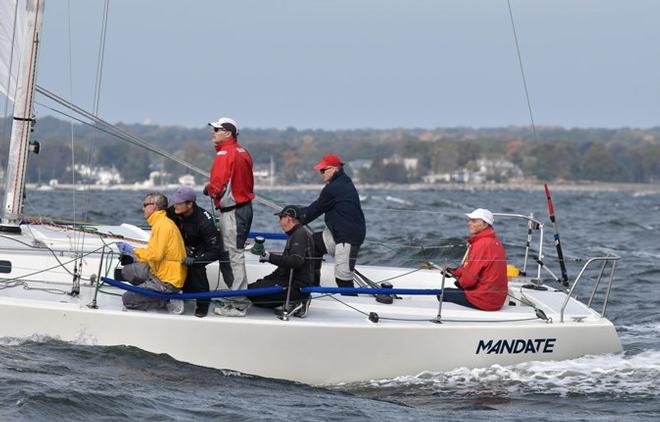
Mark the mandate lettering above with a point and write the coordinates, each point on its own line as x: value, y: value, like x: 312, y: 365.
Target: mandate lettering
x: 516, y: 346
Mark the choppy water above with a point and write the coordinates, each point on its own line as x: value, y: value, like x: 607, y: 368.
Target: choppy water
x: 44, y: 378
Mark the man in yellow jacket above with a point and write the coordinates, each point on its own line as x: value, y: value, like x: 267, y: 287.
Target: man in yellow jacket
x: 158, y: 266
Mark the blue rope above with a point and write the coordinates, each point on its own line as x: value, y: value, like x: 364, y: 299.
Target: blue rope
x: 370, y: 291
x: 266, y: 291
x: 201, y: 295
x: 266, y: 235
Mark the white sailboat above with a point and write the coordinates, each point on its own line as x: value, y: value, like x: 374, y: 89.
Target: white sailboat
x: 51, y: 286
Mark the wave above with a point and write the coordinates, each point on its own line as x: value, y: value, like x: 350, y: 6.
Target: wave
x: 628, y: 224
x: 442, y: 203
x: 641, y: 194
x: 646, y: 331
x: 44, y: 351
x: 399, y: 201
x: 644, y: 254
x: 35, y: 338
x: 605, y: 375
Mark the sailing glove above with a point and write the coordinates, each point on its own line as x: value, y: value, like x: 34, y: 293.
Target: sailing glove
x: 265, y: 257
x: 448, y: 272
x: 188, y: 261
x: 125, y: 248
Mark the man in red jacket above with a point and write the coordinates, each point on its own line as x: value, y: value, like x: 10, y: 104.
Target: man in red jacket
x: 231, y: 188
x: 481, y: 280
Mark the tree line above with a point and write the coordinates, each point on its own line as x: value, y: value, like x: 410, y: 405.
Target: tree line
x: 596, y: 154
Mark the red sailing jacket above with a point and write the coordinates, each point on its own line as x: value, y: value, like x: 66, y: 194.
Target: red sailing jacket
x: 483, y: 276
x: 232, y: 181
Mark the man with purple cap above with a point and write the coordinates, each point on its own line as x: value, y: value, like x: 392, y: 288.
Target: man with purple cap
x: 344, y: 220
x: 201, y: 238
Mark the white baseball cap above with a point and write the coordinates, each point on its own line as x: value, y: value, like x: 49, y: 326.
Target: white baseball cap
x: 225, y: 121
x: 482, y: 214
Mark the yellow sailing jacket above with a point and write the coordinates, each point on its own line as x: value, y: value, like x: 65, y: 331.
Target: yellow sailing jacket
x: 165, y: 250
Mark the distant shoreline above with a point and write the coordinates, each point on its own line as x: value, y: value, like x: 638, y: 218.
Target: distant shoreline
x: 648, y: 188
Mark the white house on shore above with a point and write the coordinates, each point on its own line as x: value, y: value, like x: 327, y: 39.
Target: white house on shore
x: 100, y: 175
x: 479, y: 171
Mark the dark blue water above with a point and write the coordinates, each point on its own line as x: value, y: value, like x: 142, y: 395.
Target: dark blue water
x: 44, y: 378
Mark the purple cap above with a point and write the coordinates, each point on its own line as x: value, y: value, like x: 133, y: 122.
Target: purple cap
x: 184, y: 194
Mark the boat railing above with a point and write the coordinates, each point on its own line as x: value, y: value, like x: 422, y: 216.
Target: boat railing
x: 532, y: 224
x: 606, y: 260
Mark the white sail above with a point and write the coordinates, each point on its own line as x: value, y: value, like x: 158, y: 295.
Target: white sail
x: 32, y: 11
x: 12, y: 40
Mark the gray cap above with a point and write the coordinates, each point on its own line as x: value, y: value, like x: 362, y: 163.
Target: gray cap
x: 184, y: 194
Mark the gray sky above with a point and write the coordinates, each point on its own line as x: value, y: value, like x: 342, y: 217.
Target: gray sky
x: 360, y: 63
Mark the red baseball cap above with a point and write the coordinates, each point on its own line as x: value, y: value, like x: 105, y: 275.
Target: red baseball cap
x: 329, y: 160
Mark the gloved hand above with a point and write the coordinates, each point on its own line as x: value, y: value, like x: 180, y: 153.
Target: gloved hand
x: 188, y: 261
x: 265, y: 257
x: 206, y: 190
x: 125, y: 248
x: 457, y: 284
x: 448, y: 272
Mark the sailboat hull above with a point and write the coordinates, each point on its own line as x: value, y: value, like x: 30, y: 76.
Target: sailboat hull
x: 334, y: 344
x: 310, y: 350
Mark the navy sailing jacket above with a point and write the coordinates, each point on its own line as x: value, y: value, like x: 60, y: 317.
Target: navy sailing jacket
x: 340, y: 202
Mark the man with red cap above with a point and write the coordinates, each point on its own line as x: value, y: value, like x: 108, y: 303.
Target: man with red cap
x: 345, y: 226
x: 231, y: 188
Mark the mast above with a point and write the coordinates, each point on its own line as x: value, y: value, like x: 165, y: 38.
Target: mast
x: 22, y: 119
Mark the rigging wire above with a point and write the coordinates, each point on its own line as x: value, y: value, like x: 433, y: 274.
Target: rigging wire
x: 97, y: 99
x: 132, y: 139
x: 77, y: 237
x: 101, y: 56
x: 522, y: 71
x: 60, y: 264
x: 382, y: 318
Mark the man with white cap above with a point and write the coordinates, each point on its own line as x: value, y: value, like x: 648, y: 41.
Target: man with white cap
x: 231, y: 187
x: 201, y: 238
x: 481, y: 280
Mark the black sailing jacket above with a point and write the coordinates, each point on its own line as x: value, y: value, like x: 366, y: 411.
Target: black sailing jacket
x: 202, y: 239
x: 297, y: 255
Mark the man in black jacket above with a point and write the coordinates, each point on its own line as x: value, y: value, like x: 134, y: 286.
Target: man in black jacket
x: 296, y: 261
x: 202, y: 239
x: 345, y: 226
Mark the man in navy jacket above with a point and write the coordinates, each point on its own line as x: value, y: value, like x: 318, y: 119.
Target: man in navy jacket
x: 345, y: 226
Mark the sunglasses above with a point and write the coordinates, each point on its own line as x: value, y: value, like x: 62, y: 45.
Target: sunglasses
x: 219, y: 129
x: 325, y: 169
x: 146, y: 204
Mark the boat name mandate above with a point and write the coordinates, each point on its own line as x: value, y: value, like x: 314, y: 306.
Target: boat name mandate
x: 516, y: 346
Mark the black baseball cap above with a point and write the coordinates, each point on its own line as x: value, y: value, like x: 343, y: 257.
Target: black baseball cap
x: 293, y: 211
